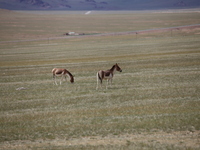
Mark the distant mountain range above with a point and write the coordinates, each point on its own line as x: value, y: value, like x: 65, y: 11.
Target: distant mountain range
x: 97, y: 4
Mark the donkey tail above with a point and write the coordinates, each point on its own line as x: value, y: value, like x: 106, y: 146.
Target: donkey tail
x: 98, y: 78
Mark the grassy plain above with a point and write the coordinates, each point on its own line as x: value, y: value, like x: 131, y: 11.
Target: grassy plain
x: 153, y: 104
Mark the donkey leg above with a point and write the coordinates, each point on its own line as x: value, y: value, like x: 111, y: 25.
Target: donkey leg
x: 56, y: 82
x: 107, y: 83
x: 97, y: 81
x: 65, y: 78
x: 101, y: 82
x: 111, y: 81
x: 54, y: 78
x: 61, y: 79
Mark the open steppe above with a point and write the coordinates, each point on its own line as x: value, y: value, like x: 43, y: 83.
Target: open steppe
x: 154, y: 103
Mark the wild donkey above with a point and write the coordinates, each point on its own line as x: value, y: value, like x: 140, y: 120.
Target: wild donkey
x: 107, y: 75
x: 59, y: 72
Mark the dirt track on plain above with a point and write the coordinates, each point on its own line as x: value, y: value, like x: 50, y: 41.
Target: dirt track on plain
x: 111, y: 34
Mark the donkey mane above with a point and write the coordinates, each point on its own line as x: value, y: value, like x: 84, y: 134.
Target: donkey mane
x: 113, y: 67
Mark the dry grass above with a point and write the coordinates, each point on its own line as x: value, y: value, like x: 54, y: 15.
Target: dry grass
x: 152, y: 104
x: 16, y: 25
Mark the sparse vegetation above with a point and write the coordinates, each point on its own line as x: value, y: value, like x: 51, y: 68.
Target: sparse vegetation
x: 154, y: 103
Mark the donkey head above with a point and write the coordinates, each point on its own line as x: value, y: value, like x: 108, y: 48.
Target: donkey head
x: 118, y: 68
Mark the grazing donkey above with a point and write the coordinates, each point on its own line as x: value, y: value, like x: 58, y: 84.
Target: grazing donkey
x: 107, y: 75
x: 59, y: 72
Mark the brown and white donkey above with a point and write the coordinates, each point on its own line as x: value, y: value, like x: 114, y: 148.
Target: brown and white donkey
x: 107, y: 75
x: 59, y: 72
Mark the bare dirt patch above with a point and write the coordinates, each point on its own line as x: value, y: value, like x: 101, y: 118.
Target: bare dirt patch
x: 189, y: 139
